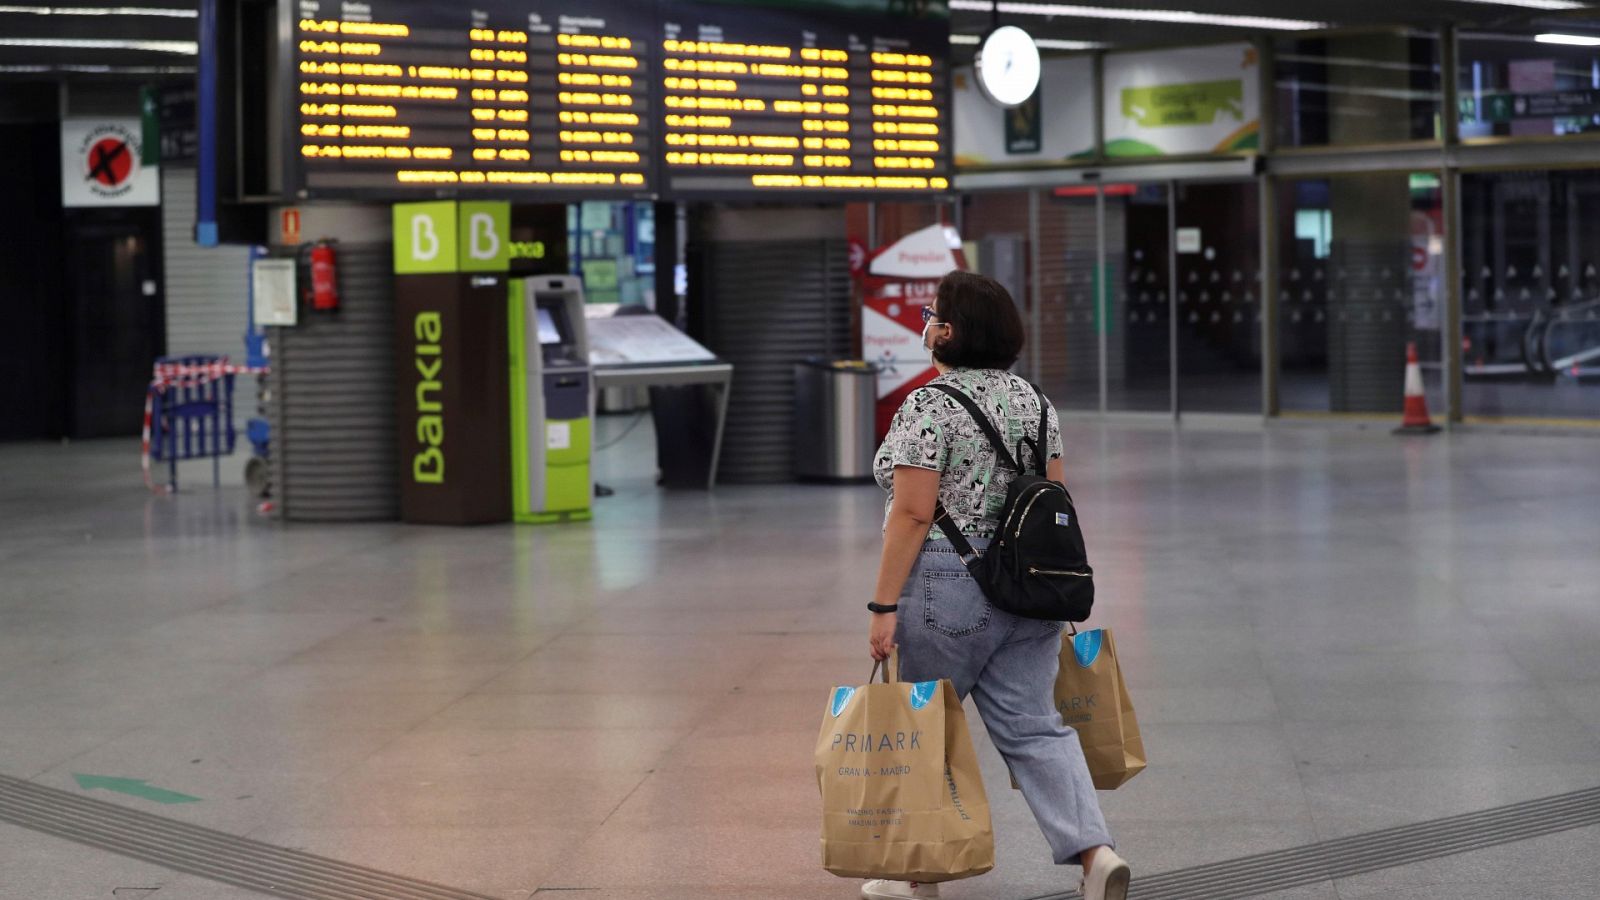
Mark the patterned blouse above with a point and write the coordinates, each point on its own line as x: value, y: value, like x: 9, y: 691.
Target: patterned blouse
x: 933, y: 431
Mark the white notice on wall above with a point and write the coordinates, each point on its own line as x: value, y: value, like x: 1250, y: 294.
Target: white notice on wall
x: 273, y: 294
x: 558, y: 436
x: 1189, y: 240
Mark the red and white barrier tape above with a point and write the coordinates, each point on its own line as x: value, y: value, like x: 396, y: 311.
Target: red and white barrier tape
x: 170, y: 375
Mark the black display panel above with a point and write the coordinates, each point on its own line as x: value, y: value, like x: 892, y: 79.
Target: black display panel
x: 815, y: 101
x: 570, y: 99
x: 398, y: 98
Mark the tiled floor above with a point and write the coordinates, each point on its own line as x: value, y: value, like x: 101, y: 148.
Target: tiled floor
x: 1326, y: 632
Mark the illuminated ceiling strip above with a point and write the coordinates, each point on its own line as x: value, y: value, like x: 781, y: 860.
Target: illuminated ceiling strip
x: 1354, y: 62
x: 188, y: 48
x: 1053, y: 44
x: 98, y: 70
x: 1175, y: 16
x: 1571, y: 40
x: 99, y: 11
x: 1530, y: 4
x: 1041, y: 43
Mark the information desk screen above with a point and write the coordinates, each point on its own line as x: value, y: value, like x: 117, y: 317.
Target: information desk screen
x: 503, y: 97
x: 772, y: 101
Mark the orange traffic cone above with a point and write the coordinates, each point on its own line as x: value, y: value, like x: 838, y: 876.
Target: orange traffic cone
x: 1416, y: 419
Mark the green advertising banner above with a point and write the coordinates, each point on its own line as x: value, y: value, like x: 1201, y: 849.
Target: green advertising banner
x: 1189, y: 101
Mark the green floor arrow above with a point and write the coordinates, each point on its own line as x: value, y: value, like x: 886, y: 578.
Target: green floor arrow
x: 133, y: 787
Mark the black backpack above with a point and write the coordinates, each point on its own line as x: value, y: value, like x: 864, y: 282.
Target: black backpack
x: 1036, y: 567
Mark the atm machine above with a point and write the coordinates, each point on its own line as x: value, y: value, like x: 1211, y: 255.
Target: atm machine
x: 552, y: 389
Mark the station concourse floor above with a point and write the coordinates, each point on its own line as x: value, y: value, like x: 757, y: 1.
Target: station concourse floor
x: 1326, y: 632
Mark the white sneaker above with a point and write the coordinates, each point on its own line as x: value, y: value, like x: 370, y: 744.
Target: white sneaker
x: 883, y: 889
x: 1108, y: 878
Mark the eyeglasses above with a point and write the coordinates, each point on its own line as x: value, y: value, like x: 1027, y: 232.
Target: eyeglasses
x: 928, y: 315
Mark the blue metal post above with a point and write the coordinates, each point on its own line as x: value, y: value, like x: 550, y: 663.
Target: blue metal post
x: 205, y: 226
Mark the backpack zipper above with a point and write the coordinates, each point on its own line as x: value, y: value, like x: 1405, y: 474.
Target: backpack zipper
x: 1034, y: 571
x: 1029, y: 508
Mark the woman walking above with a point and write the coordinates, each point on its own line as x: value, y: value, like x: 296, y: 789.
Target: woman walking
x: 927, y: 604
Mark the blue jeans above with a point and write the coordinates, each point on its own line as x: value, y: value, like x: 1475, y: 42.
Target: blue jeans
x: 946, y: 629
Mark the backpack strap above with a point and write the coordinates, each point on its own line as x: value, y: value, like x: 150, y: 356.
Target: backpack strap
x: 941, y: 516
x: 1041, y: 451
x: 987, y: 426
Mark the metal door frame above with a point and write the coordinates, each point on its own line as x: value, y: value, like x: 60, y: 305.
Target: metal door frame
x: 1169, y: 175
x: 1173, y: 178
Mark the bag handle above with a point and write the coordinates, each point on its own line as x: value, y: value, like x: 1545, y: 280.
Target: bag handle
x: 890, y: 673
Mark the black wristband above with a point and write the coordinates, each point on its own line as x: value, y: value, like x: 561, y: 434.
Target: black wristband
x: 884, y: 608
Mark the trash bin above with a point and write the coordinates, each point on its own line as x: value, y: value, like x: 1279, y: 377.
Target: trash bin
x: 834, y: 407
x: 685, y: 419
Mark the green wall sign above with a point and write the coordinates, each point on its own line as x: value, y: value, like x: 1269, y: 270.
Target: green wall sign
x: 1199, y: 103
x: 451, y: 236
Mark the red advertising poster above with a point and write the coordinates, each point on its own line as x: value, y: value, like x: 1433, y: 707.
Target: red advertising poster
x: 901, y: 280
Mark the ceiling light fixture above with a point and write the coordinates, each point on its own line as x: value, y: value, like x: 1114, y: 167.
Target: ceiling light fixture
x: 1571, y: 40
x: 1531, y: 4
x: 98, y: 11
x: 88, y: 69
x: 187, y: 48
x: 1055, y: 44
x: 1175, y: 16
x: 1043, y: 43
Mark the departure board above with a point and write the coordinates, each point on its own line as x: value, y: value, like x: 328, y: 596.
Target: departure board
x: 770, y: 101
x: 408, y: 97
x: 614, y: 99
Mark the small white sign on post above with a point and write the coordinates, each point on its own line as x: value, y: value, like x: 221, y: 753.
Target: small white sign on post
x: 1189, y: 240
x: 102, y: 164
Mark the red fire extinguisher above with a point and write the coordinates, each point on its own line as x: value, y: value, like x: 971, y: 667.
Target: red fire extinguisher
x: 322, y: 285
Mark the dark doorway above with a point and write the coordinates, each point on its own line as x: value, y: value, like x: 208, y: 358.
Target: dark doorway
x: 33, y: 352
x: 113, y: 266
x: 1219, y: 297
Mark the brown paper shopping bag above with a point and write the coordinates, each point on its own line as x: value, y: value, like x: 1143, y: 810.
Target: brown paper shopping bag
x: 901, y: 794
x: 1093, y: 699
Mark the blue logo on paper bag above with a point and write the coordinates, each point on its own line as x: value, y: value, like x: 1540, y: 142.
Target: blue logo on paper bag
x: 922, y: 693
x: 1086, y: 647
x: 841, y: 699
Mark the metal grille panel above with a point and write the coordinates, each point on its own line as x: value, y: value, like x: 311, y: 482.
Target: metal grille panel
x: 771, y: 305
x: 334, y: 452
x: 205, y: 286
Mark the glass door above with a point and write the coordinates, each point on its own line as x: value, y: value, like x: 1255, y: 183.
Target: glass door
x: 1360, y: 277
x: 1218, y: 310
x: 1069, y: 330
x: 1136, y: 228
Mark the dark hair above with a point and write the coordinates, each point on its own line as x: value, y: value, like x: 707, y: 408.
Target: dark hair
x: 986, y: 331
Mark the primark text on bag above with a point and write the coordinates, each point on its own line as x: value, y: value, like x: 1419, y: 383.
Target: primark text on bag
x: 901, y: 794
